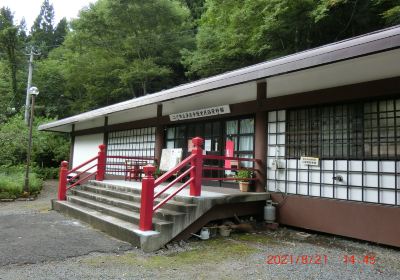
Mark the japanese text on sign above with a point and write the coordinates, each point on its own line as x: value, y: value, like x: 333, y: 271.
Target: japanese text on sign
x: 201, y: 113
x: 309, y: 161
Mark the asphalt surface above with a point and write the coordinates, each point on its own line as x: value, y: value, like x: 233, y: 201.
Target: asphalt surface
x: 31, y: 233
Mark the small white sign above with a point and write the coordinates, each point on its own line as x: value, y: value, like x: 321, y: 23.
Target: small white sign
x: 201, y: 113
x: 170, y: 158
x: 313, y: 161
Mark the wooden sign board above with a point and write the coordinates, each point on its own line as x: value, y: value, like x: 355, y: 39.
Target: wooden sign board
x: 170, y: 158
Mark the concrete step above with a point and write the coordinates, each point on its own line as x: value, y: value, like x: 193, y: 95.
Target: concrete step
x: 137, y: 191
x: 135, y: 197
x: 117, y: 212
x: 164, y: 214
x: 118, y: 228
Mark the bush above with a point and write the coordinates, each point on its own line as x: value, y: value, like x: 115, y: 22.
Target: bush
x: 48, y: 149
x: 12, y: 182
x: 47, y: 172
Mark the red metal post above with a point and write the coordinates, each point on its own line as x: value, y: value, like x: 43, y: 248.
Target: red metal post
x: 62, y: 181
x: 101, y: 163
x: 147, y: 199
x: 197, y: 162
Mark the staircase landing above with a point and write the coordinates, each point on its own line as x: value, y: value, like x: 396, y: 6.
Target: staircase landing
x: 113, y: 206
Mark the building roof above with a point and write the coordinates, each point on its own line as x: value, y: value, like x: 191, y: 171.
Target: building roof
x: 371, y: 43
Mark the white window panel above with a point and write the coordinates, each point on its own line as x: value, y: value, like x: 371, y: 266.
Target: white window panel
x: 272, y: 127
x: 327, y: 191
x: 281, y: 139
x: 387, y: 197
x: 291, y: 188
x: 355, y: 179
x: 314, y: 190
x: 370, y: 166
x: 303, y: 176
x: 387, y: 181
x: 327, y: 164
x: 303, y: 189
x: 387, y: 166
x: 327, y: 177
x: 341, y: 165
x: 355, y: 165
x: 281, y: 115
x: 341, y: 192
x: 371, y: 195
x: 271, y: 174
x: 291, y: 175
x: 291, y: 163
x: 355, y: 194
x: 281, y: 127
x: 272, y: 116
x: 371, y: 181
x: 272, y: 139
x: 315, y: 177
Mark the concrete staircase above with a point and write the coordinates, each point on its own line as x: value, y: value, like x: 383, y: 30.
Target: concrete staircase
x: 116, y: 209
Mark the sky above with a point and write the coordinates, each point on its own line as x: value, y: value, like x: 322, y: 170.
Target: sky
x: 29, y: 9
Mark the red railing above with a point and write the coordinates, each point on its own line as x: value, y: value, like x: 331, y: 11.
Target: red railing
x: 194, y: 162
x: 66, y: 183
x: 98, y: 169
x: 190, y: 169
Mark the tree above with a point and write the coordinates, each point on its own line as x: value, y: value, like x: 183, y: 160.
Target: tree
x: 42, y: 31
x: 123, y: 49
x: 235, y: 33
x: 10, y: 45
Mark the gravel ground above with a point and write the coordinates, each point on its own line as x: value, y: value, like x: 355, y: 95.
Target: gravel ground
x: 281, y: 254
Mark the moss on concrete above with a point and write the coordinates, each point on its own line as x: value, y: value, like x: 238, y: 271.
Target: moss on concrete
x: 210, y: 251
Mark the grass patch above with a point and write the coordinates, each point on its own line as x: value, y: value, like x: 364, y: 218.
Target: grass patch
x: 210, y: 251
x: 12, y: 182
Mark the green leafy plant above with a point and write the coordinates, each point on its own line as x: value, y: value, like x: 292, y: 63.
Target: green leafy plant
x: 12, y: 182
x: 244, y: 174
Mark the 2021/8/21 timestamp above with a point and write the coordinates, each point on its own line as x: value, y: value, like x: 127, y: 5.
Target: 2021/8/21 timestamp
x: 318, y: 259
x: 293, y: 259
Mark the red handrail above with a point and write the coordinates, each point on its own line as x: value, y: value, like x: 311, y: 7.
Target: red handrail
x: 82, y: 165
x: 173, y: 171
x: 147, y: 207
x: 177, y: 179
x: 81, y: 180
x: 165, y: 200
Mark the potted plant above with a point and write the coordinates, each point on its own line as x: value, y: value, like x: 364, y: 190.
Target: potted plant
x: 244, y: 185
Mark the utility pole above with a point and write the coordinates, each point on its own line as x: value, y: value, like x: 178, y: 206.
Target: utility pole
x: 27, y: 103
x: 27, y: 100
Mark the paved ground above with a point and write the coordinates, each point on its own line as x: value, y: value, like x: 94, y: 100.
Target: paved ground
x: 30, y: 233
x: 29, y: 250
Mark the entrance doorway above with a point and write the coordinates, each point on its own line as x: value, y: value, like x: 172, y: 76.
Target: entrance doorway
x: 215, y: 133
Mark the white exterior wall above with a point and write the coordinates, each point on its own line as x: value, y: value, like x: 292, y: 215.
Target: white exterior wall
x: 360, y: 178
x: 86, y: 147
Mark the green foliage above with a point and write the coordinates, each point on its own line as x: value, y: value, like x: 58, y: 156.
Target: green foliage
x: 47, y: 151
x: 235, y: 33
x: 10, y: 48
x: 244, y: 174
x: 121, y: 49
x: 12, y: 182
x: 46, y: 173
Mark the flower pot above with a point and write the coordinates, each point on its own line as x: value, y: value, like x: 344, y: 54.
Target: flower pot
x: 244, y: 186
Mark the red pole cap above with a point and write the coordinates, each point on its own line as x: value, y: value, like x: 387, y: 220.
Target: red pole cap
x: 197, y: 141
x: 102, y: 147
x: 149, y: 170
x: 64, y: 164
